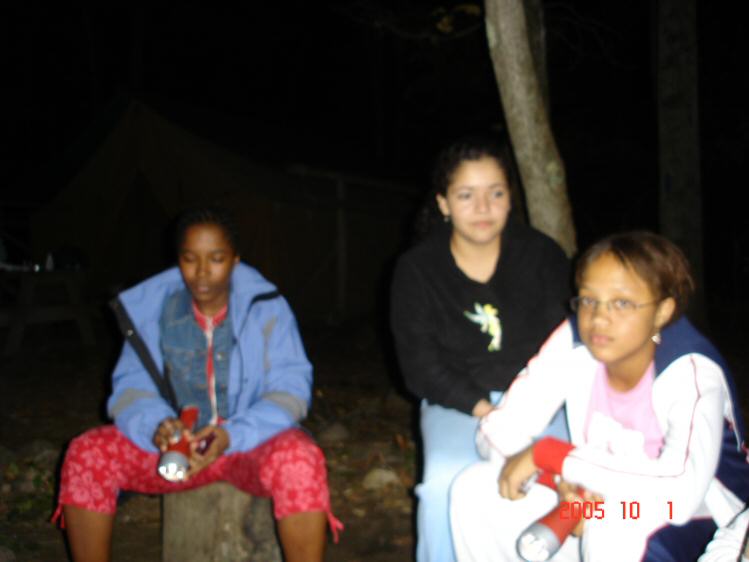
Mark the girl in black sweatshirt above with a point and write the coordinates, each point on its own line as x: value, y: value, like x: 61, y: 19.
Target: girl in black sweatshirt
x: 470, y: 305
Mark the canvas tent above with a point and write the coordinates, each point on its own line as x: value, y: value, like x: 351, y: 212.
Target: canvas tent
x: 323, y: 238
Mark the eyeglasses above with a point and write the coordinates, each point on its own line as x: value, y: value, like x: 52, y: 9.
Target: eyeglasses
x: 616, y: 306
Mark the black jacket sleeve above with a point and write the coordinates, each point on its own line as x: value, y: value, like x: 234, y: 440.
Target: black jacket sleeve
x: 426, y: 370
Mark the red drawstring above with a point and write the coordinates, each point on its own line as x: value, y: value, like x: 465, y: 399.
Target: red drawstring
x: 58, y: 515
x: 335, y: 526
x: 208, y: 324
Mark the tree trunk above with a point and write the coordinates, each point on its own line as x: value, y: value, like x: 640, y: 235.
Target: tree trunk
x: 215, y: 523
x: 541, y: 167
x: 534, y: 17
x: 680, y: 201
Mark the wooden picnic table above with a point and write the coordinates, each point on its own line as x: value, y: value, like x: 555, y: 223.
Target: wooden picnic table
x: 25, y: 307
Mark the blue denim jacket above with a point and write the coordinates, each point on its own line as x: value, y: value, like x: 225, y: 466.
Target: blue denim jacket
x: 268, y: 379
x: 185, y: 350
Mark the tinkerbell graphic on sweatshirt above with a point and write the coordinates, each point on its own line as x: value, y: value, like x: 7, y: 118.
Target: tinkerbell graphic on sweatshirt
x: 486, y: 317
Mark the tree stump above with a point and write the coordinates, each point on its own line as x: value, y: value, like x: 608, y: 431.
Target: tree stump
x: 216, y: 523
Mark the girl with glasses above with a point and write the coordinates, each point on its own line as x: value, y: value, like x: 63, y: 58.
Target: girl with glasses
x: 657, y: 456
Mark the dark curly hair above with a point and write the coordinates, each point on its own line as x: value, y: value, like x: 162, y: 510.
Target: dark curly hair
x: 657, y: 260
x: 449, y: 159
x: 217, y: 216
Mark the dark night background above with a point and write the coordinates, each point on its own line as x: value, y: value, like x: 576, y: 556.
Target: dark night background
x: 367, y: 88
x: 372, y: 88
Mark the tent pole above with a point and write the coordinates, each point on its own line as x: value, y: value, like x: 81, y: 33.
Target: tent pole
x: 341, y: 243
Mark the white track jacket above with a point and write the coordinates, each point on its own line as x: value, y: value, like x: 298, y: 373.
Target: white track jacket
x: 702, y: 469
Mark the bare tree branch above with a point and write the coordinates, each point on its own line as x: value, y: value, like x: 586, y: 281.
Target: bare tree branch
x: 415, y: 23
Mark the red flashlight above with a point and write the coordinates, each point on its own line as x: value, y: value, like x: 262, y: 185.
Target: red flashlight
x: 175, y: 462
x: 545, y: 537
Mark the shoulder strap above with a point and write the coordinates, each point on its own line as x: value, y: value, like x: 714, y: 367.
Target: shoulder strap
x: 128, y: 330
x: 264, y: 297
x: 131, y: 335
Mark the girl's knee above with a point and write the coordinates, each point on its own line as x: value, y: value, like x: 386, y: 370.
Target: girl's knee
x: 441, y: 472
x: 91, y: 443
x: 294, y: 474
x: 87, y: 472
x: 475, y: 489
x: 297, y: 443
x: 296, y: 456
x: 463, y: 490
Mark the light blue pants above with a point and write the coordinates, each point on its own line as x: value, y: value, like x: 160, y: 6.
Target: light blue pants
x: 448, y: 438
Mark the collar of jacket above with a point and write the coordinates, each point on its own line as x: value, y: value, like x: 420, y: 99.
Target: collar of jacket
x: 144, y: 301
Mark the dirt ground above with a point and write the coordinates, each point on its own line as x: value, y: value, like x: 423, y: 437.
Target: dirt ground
x: 55, y: 389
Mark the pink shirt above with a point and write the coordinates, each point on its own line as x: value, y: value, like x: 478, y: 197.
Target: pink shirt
x: 623, y: 423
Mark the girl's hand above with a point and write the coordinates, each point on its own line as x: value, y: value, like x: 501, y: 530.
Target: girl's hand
x: 199, y: 460
x: 569, y: 492
x: 166, y: 431
x: 482, y: 408
x: 515, y: 473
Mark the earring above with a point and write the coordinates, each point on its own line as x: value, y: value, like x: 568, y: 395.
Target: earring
x: 446, y: 218
x: 656, y: 338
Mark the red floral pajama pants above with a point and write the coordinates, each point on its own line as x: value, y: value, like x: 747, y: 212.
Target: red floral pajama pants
x: 289, y: 468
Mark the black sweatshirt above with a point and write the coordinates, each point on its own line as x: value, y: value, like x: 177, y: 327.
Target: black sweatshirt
x: 443, y: 353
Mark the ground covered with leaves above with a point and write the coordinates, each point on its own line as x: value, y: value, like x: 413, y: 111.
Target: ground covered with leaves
x: 55, y: 389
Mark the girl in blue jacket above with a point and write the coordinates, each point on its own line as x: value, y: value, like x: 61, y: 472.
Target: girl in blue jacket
x: 229, y: 345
